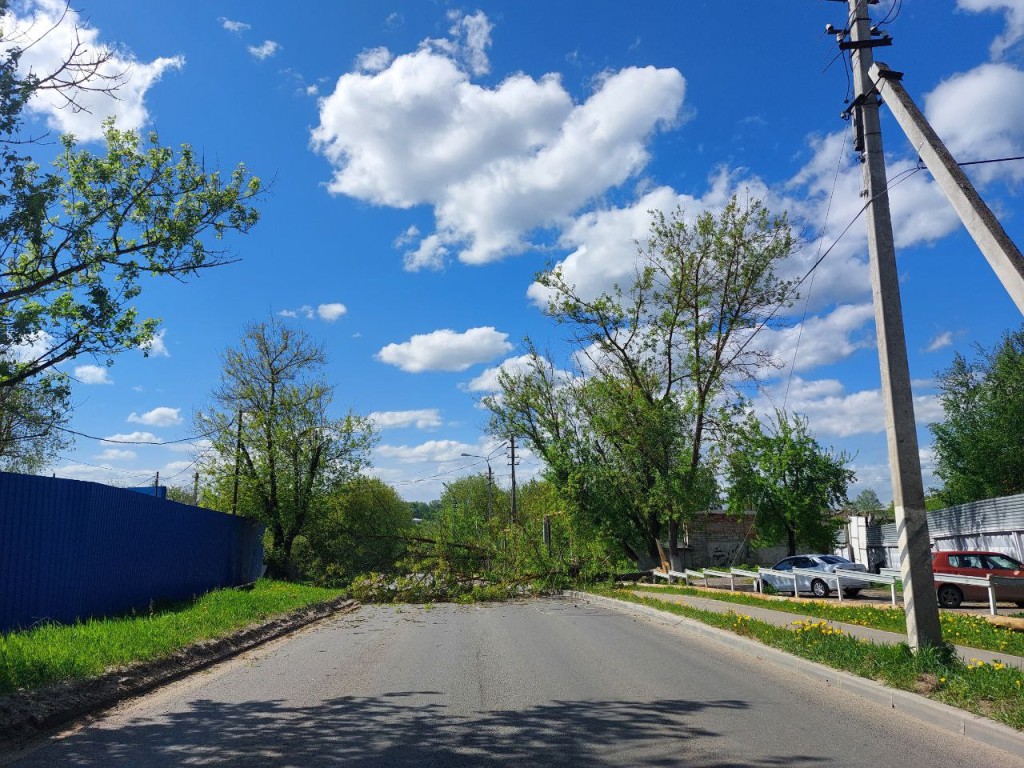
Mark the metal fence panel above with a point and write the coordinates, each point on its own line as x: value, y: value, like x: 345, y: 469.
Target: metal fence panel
x: 72, y: 550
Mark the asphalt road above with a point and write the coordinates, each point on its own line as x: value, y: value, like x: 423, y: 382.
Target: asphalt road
x: 544, y: 682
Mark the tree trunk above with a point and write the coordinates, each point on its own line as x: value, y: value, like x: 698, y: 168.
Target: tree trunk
x: 791, y: 541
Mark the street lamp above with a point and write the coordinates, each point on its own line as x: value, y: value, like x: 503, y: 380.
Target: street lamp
x: 490, y: 476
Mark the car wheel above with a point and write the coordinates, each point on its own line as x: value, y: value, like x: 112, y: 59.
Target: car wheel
x: 819, y: 588
x: 851, y: 592
x: 950, y: 596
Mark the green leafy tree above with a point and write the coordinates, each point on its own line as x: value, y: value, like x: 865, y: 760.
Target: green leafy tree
x: 867, y: 504
x: 789, y: 481
x: 979, y: 445
x: 32, y: 415
x: 362, y: 529
x: 628, y: 438
x: 79, y: 237
x: 463, y: 537
x: 290, y: 453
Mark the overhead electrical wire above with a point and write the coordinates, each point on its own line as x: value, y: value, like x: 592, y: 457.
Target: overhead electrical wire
x: 810, y: 287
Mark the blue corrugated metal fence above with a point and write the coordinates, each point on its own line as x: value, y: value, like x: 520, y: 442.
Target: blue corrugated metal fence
x: 71, y: 549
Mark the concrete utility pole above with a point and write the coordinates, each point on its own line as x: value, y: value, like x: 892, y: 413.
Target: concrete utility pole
x: 923, y: 628
x: 1002, y: 254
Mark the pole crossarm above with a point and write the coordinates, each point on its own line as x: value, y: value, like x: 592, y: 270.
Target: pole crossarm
x: 999, y: 250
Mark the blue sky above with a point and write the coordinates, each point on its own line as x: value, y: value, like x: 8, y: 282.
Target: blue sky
x: 426, y: 159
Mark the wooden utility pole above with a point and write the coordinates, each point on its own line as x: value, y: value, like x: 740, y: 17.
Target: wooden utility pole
x: 195, y: 489
x: 923, y: 628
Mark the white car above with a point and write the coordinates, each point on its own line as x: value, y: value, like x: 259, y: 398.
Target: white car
x: 818, y: 587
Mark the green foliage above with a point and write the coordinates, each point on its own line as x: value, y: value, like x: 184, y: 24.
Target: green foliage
x: 78, y: 240
x: 270, y: 419
x: 31, y: 416
x: 627, y: 442
x: 424, y: 510
x: 361, y: 529
x: 789, y: 481
x: 79, y: 237
x: 55, y: 652
x: 429, y: 588
x: 979, y: 445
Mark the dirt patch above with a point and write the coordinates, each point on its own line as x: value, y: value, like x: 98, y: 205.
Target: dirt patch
x: 26, y: 714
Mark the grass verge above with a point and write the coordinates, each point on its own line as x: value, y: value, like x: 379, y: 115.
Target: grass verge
x: 959, y: 629
x: 991, y: 690
x: 54, y: 652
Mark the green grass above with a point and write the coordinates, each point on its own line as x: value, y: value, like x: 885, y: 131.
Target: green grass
x: 957, y: 628
x: 54, y: 652
x: 992, y: 690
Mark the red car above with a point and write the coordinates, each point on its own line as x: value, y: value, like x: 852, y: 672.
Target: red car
x: 975, y: 564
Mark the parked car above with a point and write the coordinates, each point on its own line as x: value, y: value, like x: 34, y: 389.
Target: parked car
x: 963, y: 563
x: 818, y: 587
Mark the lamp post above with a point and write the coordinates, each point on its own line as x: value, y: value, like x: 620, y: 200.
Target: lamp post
x: 490, y: 476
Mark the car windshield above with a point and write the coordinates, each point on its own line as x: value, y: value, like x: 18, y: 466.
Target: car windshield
x: 1003, y: 562
x: 833, y: 559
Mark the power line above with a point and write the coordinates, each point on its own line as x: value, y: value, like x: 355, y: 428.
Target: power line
x: 138, y: 442
x: 810, y: 287
x: 127, y: 472
x: 439, y: 474
x: 894, y: 182
x: 994, y: 160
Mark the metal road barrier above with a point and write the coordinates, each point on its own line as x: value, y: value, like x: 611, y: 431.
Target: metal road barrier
x: 865, y: 578
x: 687, y: 574
x: 758, y: 585
x: 732, y: 575
x: 988, y: 582
x: 785, y: 574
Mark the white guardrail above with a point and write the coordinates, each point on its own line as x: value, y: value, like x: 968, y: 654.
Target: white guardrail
x: 841, y: 577
x: 989, y: 583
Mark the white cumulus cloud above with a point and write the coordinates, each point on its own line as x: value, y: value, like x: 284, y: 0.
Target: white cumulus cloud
x: 93, y: 374
x: 430, y: 451
x: 157, y: 346
x: 158, y: 417
x: 941, y: 341
x: 488, y: 380
x: 446, y: 350
x: 979, y: 114
x: 374, y: 60
x: 116, y: 454
x: 331, y: 312
x: 1014, y: 10
x: 234, y: 26
x: 832, y: 411
x: 425, y: 418
x: 132, y: 437
x: 264, y: 50
x: 49, y: 32
x: 495, y: 163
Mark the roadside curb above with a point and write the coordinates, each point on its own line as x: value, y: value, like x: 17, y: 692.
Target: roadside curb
x: 940, y: 715
x: 27, y: 714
